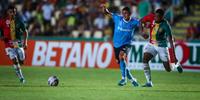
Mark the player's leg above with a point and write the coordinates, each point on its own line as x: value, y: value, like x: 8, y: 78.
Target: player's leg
x: 149, y: 53
x: 163, y: 54
x: 131, y: 78
x: 123, y: 61
x: 20, y: 57
x: 147, y: 71
x: 122, y: 82
x: 173, y: 59
x: 13, y: 56
x: 179, y: 67
x: 18, y: 71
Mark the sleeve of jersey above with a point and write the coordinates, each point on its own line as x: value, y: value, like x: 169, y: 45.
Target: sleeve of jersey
x: 115, y: 17
x: 147, y: 18
x: 137, y: 23
x: 23, y: 26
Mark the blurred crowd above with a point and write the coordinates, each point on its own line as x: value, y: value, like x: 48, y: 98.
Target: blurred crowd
x: 82, y: 18
x: 193, y: 32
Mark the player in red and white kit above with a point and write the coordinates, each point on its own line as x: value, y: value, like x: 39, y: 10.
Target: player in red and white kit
x: 159, y: 36
x: 15, y: 38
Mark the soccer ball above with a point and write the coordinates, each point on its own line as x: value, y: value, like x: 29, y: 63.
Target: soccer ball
x: 53, y: 81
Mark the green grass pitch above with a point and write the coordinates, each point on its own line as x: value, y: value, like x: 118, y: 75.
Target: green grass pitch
x: 96, y: 84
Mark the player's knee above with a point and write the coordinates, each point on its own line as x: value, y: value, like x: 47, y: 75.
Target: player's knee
x: 15, y: 61
x: 145, y: 60
x: 121, y: 55
x: 117, y: 61
x: 21, y: 62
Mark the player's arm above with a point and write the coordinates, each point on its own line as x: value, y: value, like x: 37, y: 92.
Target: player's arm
x: 105, y: 10
x: 171, y: 41
x: 25, y: 33
x: 143, y: 25
x: 147, y: 20
x: 25, y: 39
x: 1, y: 30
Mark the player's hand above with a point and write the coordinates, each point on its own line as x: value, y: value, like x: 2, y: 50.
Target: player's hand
x: 25, y: 46
x: 103, y: 6
x: 145, y: 36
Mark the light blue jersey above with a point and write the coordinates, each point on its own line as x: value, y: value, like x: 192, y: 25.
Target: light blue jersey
x: 124, y: 30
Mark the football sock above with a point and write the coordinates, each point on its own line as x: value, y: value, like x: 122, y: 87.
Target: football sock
x: 123, y: 69
x: 130, y: 76
x: 18, y: 71
x: 147, y: 72
x: 174, y: 65
x: 128, y: 73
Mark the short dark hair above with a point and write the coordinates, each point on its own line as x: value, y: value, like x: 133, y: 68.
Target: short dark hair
x: 127, y: 9
x: 11, y: 7
x: 161, y: 12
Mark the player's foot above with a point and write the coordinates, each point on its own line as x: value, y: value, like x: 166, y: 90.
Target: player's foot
x: 135, y: 83
x: 22, y: 80
x: 148, y: 85
x: 179, y: 67
x: 122, y: 82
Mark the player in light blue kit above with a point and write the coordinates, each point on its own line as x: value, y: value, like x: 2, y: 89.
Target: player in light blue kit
x: 124, y: 29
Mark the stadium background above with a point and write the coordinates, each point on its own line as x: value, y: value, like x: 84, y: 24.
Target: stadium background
x: 75, y: 33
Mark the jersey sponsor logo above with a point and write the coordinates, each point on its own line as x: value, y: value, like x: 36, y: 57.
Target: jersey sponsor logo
x: 123, y: 29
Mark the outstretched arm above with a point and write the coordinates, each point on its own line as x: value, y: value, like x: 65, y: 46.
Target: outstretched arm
x: 171, y: 41
x: 105, y: 10
x: 25, y: 39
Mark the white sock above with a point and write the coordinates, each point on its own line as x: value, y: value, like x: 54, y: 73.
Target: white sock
x: 18, y: 71
x: 147, y: 72
x: 130, y: 76
x: 175, y: 65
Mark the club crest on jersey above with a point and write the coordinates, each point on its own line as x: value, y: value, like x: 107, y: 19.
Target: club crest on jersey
x: 160, y: 30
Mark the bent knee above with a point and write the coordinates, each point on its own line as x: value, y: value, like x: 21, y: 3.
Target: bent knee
x: 147, y: 57
x: 15, y: 60
x: 146, y: 60
x: 122, y: 55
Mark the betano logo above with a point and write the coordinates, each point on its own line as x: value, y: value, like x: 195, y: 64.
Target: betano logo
x: 78, y: 54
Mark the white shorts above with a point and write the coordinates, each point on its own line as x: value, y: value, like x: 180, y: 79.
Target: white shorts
x: 15, y: 53
x: 154, y: 50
